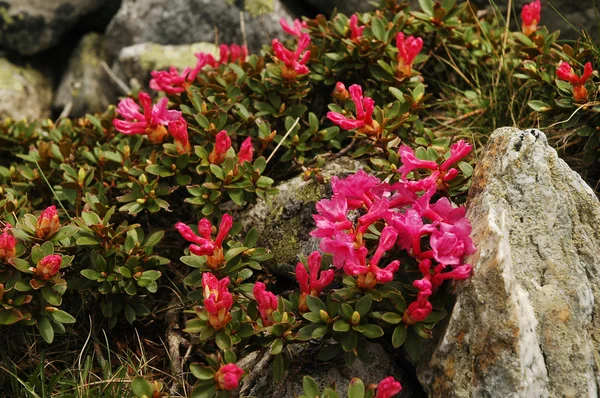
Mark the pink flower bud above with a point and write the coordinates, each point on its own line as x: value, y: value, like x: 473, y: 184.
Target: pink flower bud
x: 217, y: 300
x: 408, y: 49
x: 388, y: 387
x: 48, y: 223
x: 178, y: 130
x: 48, y: 267
x: 222, y: 145
x: 530, y: 16
x: 355, y: 31
x: 228, y: 376
x: 267, y: 303
x: 246, y: 151
x: 8, y: 245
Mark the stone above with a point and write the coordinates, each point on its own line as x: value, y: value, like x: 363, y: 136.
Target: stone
x: 527, y: 324
x: 284, y: 223
x: 259, y: 382
x: 192, y: 21
x: 85, y: 86
x: 32, y: 26
x: 25, y: 91
x: 137, y: 61
x: 347, y: 7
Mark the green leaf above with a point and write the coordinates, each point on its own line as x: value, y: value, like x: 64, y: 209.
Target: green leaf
x: 223, y: 340
x: 90, y: 274
x: 277, y: 347
x: 315, y: 305
x: 341, y: 326
x: 539, y: 106
x: 141, y: 387
x: 9, y: 316
x: 193, y: 261
x: 372, y: 331
x: 202, y: 372
x: 153, y: 239
x: 46, y: 329
x: 399, y: 336
x: 204, y: 391
x: 64, y: 233
x: 251, y: 238
x: 378, y: 28
x: 427, y: 6
x: 62, y: 316
x: 356, y: 388
x: 392, y: 318
x: 363, y: 306
x: 278, y: 367
x: 310, y: 387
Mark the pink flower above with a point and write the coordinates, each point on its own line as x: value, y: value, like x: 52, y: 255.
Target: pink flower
x: 410, y: 229
x: 363, y: 122
x: 356, y: 188
x: 222, y: 145
x: 178, y: 130
x: 204, y: 245
x: 171, y: 82
x: 418, y: 310
x: 228, y: 376
x: 48, y: 223
x: 566, y: 73
x: 314, y: 281
x: 530, y: 15
x: 408, y: 49
x: 48, y: 267
x: 246, y: 151
x: 388, y: 387
x: 410, y: 162
x: 355, y: 31
x: 332, y: 217
x: 449, y: 248
x: 294, y: 63
x: 232, y: 53
x: 459, y: 273
x: 298, y: 28
x: 380, y: 209
x: 340, y: 92
x: 8, y: 245
x: 203, y: 60
x: 267, y: 303
x: 217, y: 300
x: 342, y: 247
x: 457, y: 152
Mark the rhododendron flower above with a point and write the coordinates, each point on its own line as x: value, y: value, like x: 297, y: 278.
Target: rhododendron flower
x: 150, y: 121
x: 565, y: 72
x: 171, y: 82
x: 418, y: 310
x: 449, y: 248
x: 530, y: 15
x: 246, y: 151
x: 179, y: 132
x: 363, y: 122
x: 212, y: 249
x: 388, y: 387
x: 340, y: 92
x: 314, y: 281
x: 217, y: 300
x: 458, y: 273
x: 294, y: 63
x: 47, y: 267
x: 355, y: 31
x: 370, y: 274
x: 48, y: 223
x: 458, y: 151
x: 228, y: 376
x: 296, y: 30
x: 267, y: 303
x: 410, y: 228
x: 410, y: 162
x: 332, y: 217
x: 8, y: 245
x: 232, y: 54
x: 408, y: 49
x: 222, y: 145
x: 356, y: 188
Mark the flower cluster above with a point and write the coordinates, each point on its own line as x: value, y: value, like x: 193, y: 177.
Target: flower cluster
x: 313, y: 281
x: 294, y: 62
x: 8, y: 245
x: 408, y: 49
x: 365, y: 106
x: 565, y: 72
x: 222, y: 145
x: 152, y: 121
x: 530, y: 16
x: 405, y: 214
x: 296, y: 30
x: 204, y: 245
x: 217, y: 300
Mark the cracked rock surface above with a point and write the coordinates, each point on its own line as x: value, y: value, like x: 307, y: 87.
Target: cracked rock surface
x: 527, y: 324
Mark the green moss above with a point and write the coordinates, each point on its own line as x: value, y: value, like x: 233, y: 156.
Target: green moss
x: 258, y: 7
x: 12, y: 77
x: 157, y: 56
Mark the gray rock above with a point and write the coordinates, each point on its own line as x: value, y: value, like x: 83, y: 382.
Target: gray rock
x: 259, y: 382
x: 284, y: 224
x: 31, y: 26
x: 527, y: 324
x: 85, y: 84
x: 137, y: 61
x: 26, y: 92
x: 192, y: 21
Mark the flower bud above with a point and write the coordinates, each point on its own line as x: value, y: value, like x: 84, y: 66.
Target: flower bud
x: 8, y: 245
x: 143, y: 179
x: 355, y: 318
x: 228, y: 376
x: 48, y: 267
x: 48, y: 223
x: 324, y: 316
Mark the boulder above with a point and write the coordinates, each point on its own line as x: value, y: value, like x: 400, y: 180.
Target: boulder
x: 285, y: 222
x: 527, y: 324
x: 31, y: 26
x: 304, y: 362
x: 25, y: 91
x: 137, y: 61
x: 85, y: 86
x: 191, y: 21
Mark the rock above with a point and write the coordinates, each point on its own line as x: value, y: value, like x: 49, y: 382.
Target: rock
x: 192, y: 21
x: 85, y: 84
x: 137, y: 61
x: 527, y: 324
x: 35, y: 25
x: 259, y: 382
x: 26, y: 92
x: 347, y: 7
x: 285, y: 223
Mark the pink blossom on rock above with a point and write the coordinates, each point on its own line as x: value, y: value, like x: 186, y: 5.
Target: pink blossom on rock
x: 228, y: 376
x: 170, y: 82
x: 341, y: 247
x: 267, y: 303
x: 294, y: 62
x: 388, y: 387
x: 296, y: 30
x: 331, y: 217
x: 356, y: 188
